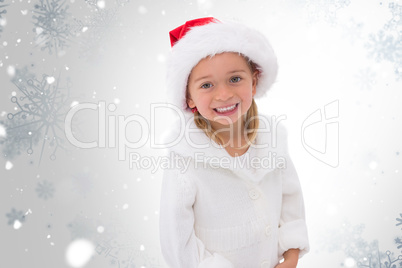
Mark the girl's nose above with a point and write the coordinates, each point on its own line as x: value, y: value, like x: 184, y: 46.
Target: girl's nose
x: 223, y: 92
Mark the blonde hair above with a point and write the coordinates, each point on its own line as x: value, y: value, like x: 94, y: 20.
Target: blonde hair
x: 251, y: 119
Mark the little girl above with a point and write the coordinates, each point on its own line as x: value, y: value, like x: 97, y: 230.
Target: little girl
x: 237, y: 202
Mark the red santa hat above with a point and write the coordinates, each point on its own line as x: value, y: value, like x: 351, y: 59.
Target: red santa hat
x: 199, y: 38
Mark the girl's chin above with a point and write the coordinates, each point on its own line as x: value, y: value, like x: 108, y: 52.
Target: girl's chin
x: 222, y: 121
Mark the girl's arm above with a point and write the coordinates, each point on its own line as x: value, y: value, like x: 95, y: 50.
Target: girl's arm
x: 292, y: 224
x: 181, y: 248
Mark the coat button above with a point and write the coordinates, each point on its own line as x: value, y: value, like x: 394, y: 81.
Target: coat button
x: 265, y: 264
x: 268, y: 230
x: 254, y: 194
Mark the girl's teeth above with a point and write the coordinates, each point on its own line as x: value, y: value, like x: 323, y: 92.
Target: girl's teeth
x: 226, y: 109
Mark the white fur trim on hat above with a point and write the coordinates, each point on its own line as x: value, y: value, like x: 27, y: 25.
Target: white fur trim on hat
x: 215, y: 38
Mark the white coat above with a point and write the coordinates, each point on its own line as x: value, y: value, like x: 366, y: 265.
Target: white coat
x: 219, y: 211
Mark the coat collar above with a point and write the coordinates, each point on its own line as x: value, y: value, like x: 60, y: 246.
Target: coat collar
x: 262, y: 157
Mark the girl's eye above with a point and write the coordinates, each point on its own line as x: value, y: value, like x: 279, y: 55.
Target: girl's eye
x: 235, y: 79
x: 206, y: 85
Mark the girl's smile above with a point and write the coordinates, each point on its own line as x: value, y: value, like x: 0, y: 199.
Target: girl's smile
x: 228, y: 110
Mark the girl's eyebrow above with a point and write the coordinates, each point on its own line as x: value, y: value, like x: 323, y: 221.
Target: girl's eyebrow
x: 200, y: 78
x: 207, y: 76
x: 237, y: 71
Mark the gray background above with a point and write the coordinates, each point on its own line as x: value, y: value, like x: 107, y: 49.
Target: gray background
x: 344, y: 54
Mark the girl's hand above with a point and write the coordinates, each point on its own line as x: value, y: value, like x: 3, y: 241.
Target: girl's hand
x: 291, y: 258
x: 286, y: 264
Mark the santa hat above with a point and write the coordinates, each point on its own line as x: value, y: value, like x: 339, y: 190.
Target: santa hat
x: 203, y: 37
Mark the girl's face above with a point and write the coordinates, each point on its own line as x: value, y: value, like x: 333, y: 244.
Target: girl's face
x: 222, y: 88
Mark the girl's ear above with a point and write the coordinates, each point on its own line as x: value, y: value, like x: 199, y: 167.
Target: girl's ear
x: 190, y: 103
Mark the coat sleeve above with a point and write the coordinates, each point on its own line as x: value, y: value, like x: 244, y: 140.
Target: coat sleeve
x: 180, y: 247
x: 292, y: 224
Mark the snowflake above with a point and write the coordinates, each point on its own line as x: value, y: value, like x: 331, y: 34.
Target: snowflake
x: 20, y: 135
x: 388, y: 263
x: 396, y: 20
x: 349, y: 239
x: 399, y: 220
x: 398, y: 242
x: 40, y: 110
x: 366, y: 254
x: 398, y: 69
x: 2, y: 11
x: 82, y: 228
x: 51, y: 26
x: 324, y: 10
x: 45, y: 189
x: 123, y: 250
x: 385, y: 47
x: 122, y: 2
x: 366, y: 79
x: 94, y: 31
x: 15, y: 215
x: 352, y: 31
x: 82, y: 183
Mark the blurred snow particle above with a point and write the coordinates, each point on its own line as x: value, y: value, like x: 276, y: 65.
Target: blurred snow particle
x: 50, y: 80
x: 24, y: 12
x: 373, y: 165
x: 116, y: 101
x: 100, y: 229
x: 163, y: 12
x: 17, y: 224
x: 112, y: 107
x: 3, y: 22
x: 142, y: 10
x: 11, y: 70
x: 74, y: 103
x: 3, y: 132
x: 9, y: 165
x: 350, y: 262
x: 125, y: 206
x: 38, y: 30
x: 79, y: 252
x: 142, y: 248
x: 204, y: 4
x: 101, y: 4
x: 161, y: 58
x: 332, y: 209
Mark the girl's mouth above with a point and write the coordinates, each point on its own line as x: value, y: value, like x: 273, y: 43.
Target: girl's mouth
x: 228, y: 110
